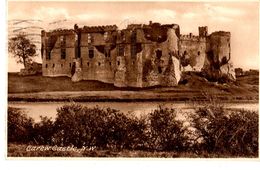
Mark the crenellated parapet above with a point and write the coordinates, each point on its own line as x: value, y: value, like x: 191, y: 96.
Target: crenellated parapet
x: 58, y: 32
x: 92, y: 29
x: 134, y: 26
x: 191, y: 37
x: 220, y: 33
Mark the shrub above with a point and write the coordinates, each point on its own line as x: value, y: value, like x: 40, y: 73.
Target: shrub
x: 43, y: 131
x: 137, y: 132
x: 233, y: 132
x: 69, y: 126
x: 20, y: 127
x: 95, y: 127
x: 167, y: 133
x: 212, y: 130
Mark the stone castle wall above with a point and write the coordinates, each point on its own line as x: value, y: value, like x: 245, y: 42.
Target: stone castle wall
x: 193, y: 48
x: 138, y: 56
x: 55, y: 65
x: 99, y: 67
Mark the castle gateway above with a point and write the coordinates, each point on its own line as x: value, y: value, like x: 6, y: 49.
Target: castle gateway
x: 138, y: 56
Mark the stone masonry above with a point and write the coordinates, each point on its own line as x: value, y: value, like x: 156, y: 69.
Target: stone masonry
x: 138, y: 56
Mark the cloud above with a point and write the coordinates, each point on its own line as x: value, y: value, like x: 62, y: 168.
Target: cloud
x: 162, y: 13
x: 90, y: 16
x: 130, y: 18
x: 222, y: 14
x: 49, y: 13
x: 222, y: 19
x: 190, y: 15
x: 141, y: 17
x: 225, y: 11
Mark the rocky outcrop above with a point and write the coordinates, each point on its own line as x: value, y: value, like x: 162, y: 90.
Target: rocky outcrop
x: 228, y: 70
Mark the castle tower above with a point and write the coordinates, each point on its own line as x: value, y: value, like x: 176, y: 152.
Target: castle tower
x: 220, y: 44
x: 219, y: 54
x: 203, y: 31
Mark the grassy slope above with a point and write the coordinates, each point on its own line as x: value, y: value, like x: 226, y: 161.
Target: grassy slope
x: 23, y: 84
x: 59, y: 88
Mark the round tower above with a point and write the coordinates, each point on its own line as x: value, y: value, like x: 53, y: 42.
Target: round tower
x: 220, y: 45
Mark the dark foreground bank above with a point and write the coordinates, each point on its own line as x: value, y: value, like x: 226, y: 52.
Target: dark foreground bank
x: 96, y: 132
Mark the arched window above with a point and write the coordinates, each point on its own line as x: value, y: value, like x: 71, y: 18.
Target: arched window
x: 158, y: 54
x: 107, y: 52
x: 121, y: 50
x: 63, y: 46
x: 91, y: 53
x: 63, y: 53
x: 48, y: 57
x: 160, y: 69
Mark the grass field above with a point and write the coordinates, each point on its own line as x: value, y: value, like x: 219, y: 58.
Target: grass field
x: 39, y: 88
x: 27, y: 84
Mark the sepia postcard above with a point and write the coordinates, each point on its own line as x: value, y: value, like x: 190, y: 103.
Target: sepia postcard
x: 133, y: 79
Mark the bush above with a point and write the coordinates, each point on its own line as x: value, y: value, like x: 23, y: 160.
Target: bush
x: 212, y: 130
x: 20, y: 127
x: 167, y: 133
x: 95, y: 127
x: 43, y: 131
x: 233, y: 132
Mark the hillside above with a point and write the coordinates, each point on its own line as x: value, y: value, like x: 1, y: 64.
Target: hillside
x: 191, y: 86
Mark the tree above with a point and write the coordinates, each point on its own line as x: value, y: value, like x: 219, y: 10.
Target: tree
x: 22, y: 48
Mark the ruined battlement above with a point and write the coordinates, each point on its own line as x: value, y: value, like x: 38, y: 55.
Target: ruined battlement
x: 220, y: 33
x: 102, y: 28
x: 151, y: 25
x: 58, y: 32
x: 191, y: 37
x: 134, y: 26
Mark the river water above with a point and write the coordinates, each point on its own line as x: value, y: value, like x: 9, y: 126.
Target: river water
x: 36, y: 109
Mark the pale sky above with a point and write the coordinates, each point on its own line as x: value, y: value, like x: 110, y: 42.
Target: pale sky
x: 240, y: 18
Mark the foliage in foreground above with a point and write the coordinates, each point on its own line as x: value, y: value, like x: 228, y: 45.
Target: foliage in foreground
x: 214, y: 130
x: 235, y: 132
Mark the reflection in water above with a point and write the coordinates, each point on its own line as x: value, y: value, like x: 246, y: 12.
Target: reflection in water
x: 34, y: 110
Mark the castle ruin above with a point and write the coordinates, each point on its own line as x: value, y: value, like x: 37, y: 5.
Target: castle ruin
x: 139, y: 56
